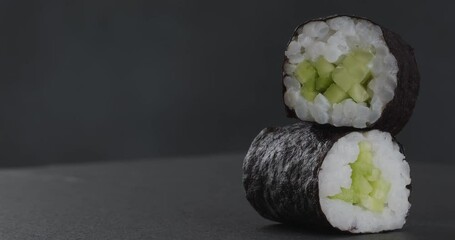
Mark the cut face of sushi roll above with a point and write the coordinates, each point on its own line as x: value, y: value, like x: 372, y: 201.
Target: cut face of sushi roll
x: 348, y: 71
x: 321, y: 176
x: 362, y: 183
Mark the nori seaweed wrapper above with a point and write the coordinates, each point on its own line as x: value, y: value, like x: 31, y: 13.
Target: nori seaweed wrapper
x: 281, y: 168
x: 280, y: 172
x: 399, y: 110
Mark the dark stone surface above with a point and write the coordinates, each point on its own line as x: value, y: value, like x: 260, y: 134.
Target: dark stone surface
x: 197, y: 198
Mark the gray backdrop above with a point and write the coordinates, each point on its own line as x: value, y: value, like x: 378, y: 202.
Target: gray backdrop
x: 110, y: 80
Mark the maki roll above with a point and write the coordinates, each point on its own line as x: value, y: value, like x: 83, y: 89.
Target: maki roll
x: 326, y: 177
x: 348, y: 71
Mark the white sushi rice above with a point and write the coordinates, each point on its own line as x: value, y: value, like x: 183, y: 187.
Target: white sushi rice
x: 336, y: 173
x: 333, y: 39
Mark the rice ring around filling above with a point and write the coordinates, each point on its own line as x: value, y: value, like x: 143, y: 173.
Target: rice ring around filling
x: 334, y: 41
x: 336, y: 175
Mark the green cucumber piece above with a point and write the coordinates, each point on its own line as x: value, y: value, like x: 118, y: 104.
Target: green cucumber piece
x: 343, y: 78
x: 381, y: 189
x: 372, y: 204
x: 358, y: 58
x: 374, y: 175
x: 309, y: 95
x: 358, y: 72
x: 361, y: 168
x: 305, y: 72
x: 310, y: 84
x: 366, y: 157
x: 367, y: 79
x: 351, y: 78
x: 323, y: 67
x: 358, y: 93
x: 360, y: 184
x: 308, y: 90
x: 353, y: 69
x: 368, y: 189
x: 335, y: 94
x: 322, y: 83
x: 346, y: 195
x: 364, y: 57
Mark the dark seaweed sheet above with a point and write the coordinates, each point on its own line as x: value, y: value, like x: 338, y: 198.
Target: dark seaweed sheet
x: 398, y: 111
x: 280, y: 172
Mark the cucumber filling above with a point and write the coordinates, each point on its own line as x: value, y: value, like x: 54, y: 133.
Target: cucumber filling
x: 369, y: 189
x: 337, y: 82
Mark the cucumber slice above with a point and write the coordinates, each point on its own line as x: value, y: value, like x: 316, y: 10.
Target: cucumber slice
x: 366, y: 158
x: 369, y: 91
x: 351, y: 78
x: 381, y: 189
x: 323, y: 67
x: 346, y: 195
x: 310, y: 84
x: 322, y: 83
x: 308, y: 90
x: 358, y: 93
x: 356, y: 69
x: 361, y: 185
x: 374, y: 175
x: 349, y: 60
x: 367, y: 79
x: 335, y: 94
x: 358, y: 57
x: 343, y: 78
x: 308, y: 94
x: 372, y: 204
x: 358, y: 72
x: 305, y: 72
x: 364, y: 57
x: 368, y: 189
x: 361, y: 168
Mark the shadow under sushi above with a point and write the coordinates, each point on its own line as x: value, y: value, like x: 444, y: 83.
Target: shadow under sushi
x: 286, y: 229
x: 318, y: 233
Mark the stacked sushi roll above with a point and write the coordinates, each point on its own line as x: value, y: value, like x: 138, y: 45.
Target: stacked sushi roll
x: 349, y: 71
x: 353, y: 84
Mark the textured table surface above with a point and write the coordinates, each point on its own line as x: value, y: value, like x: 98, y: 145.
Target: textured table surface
x: 184, y: 198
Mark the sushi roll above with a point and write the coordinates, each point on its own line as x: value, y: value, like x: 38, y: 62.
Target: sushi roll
x: 348, y: 71
x: 325, y: 177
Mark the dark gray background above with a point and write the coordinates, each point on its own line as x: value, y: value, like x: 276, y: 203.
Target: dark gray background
x: 98, y: 80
